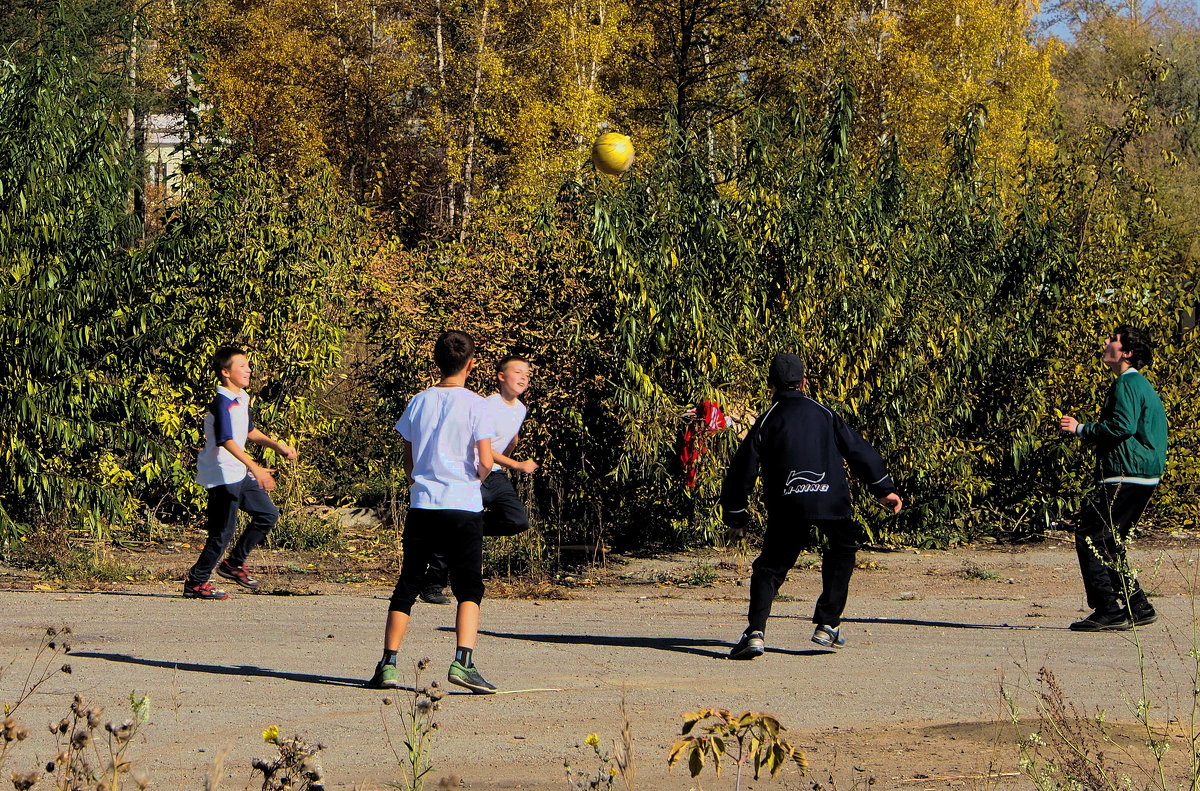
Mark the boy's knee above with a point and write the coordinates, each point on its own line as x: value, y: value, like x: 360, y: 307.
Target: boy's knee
x: 842, y: 549
x: 467, y: 587
x: 1093, y: 534
x: 766, y: 570
x: 401, y: 601
x: 266, y: 517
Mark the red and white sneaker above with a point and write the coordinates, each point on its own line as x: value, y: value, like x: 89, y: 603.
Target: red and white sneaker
x: 204, y: 590
x: 238, y: 574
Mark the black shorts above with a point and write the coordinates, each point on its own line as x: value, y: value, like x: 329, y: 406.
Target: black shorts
x: 455, y: 535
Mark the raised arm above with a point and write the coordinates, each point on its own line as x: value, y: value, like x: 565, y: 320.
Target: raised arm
x: 282, y: 448
x: 527, y: 466
x: 1121, y: 424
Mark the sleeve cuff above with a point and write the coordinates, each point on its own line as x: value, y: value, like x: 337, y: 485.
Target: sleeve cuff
x: 882, y: 487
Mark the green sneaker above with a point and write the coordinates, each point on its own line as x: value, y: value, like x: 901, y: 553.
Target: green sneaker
x: 469, y: 677
x: 386, y: 677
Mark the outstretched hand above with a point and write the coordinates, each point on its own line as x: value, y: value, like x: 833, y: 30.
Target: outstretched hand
x: 1068, y: 424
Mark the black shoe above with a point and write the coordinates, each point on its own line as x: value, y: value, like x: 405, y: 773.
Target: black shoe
x: 1103, y: 622
x: 1145, y: 617
x: 434, y: 595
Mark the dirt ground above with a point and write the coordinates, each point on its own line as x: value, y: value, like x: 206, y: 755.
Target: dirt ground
x: 914, y: 701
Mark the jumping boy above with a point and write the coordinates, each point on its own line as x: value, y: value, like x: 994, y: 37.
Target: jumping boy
x: 801, y: 448
x: 503, y: 512
x: 1131, y: 445
x: 447, y: 452
x: 233, y: 479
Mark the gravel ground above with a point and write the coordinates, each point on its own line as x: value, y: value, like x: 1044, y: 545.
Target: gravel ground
x: 913, y: 702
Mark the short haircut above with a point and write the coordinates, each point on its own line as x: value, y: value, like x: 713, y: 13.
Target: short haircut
x: 1137, y: 342
x: 511, y: 358
x: 452, y: 351
x: 223, y: 357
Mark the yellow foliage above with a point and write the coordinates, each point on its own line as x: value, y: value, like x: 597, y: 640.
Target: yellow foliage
x: 919, y: 65
x: 950, y: 55
x: 430, y: 106
x: 298, y: 81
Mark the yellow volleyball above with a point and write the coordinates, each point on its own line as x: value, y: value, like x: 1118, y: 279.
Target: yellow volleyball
x: 612, y: 153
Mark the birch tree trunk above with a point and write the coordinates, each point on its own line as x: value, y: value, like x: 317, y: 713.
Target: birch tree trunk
x: 447, y: 197
x: 135, y: 126
x: 472, y: 122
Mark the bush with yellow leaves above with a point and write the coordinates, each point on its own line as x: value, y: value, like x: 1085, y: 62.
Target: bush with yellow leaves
x: 751, y: 737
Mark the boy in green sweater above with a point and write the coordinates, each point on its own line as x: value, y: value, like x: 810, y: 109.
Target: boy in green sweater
x: 1131, y: 447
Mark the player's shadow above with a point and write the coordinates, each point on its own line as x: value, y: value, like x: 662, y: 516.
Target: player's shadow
x: 948, y: 624
x: 223, y: 670
x: 164, y: 595
x: 142, y: 594
x: 683, y: 645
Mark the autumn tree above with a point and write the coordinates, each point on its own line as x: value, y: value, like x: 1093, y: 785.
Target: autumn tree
x: 297, y: 84
x: 919, y: 65
x: 1151, y: 50
x: 522, y: 93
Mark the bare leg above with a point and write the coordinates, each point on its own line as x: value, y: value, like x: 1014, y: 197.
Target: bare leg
x: 397, y: 625
x: 466, y: 623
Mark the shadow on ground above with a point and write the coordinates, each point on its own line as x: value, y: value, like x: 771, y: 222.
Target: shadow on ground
x: 683, y: 645
x: 224, y: 670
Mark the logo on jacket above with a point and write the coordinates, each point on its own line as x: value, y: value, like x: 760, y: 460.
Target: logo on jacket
x: 805, y: 482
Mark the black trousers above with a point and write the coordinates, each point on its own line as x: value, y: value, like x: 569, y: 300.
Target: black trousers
x: 1100, y: 539
x: 224, y: 502
x: 503, y: 515
x: 782, y: 543
x: 457, y: 536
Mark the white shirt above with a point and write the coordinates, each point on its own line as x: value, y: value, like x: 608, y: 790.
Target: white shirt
x: 228, y: 418
x: 444, y: 424
x: 506, y: 421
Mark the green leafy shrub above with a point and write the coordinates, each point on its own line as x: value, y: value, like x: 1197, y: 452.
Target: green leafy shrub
x: 70, y: 411
x: 305, y: 532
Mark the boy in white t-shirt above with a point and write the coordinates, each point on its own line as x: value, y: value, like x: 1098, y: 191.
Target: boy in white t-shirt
x: 504, y: 513
x: 447, y: 452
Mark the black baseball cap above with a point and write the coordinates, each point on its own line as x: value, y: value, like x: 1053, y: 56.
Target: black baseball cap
x: 786, y: 371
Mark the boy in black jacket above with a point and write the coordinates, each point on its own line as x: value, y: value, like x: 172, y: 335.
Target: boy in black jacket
x: 801, y: 448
